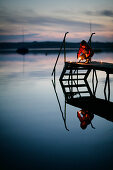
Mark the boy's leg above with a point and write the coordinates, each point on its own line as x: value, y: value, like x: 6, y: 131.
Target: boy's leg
x: 82, y: 57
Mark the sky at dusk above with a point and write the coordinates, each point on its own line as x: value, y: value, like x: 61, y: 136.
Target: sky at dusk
x: 48, y: 20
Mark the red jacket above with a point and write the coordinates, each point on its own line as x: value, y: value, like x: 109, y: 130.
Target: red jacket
x: 85, y: 49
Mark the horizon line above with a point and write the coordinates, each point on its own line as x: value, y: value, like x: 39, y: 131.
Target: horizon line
x: 55, y: 41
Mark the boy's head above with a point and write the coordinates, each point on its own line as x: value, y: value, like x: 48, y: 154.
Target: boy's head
x: 83, y: 44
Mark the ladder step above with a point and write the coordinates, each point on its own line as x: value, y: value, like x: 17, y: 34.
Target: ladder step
x: 81, y: 68
x: 71, y: 79
x: 74, y: 93
x: 79, y: 85
x: 74, y: 74
x: 83, y: 91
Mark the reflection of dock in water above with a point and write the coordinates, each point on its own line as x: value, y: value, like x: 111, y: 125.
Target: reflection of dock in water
x: 94, y: 105
x: 78, y: 93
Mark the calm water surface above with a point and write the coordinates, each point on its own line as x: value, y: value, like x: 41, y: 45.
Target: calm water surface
x: 32, y: 132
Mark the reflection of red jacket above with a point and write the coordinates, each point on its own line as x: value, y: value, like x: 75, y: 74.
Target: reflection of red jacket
x: 85, y: 49
x: 84, y: 116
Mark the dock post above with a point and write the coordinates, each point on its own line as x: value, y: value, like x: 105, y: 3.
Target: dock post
x: 65, y: 46
x: 94, y: 76
x: 54, y: 77
x: 71, y: 80
x: 77, y: 77
x: 107, y: 82
x: 64, y: 51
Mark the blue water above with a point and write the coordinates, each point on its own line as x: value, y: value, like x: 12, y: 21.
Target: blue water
x: 32, y: 131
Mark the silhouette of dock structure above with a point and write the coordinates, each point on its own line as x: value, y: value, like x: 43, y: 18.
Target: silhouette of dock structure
x: 74, y: 76
x: 77, y: 91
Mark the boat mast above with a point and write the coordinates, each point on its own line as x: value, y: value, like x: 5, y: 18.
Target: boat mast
x: 91, y: 34
x: 23, y: 34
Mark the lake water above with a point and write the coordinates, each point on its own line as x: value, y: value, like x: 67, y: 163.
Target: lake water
x: 32, y: 131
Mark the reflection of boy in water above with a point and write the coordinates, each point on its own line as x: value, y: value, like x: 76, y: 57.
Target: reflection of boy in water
x: 85, y: 118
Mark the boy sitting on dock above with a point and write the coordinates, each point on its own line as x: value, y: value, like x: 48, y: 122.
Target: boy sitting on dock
x: 85, y: 52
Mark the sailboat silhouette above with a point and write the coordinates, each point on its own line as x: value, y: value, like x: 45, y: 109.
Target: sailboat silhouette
x: 22, y: 50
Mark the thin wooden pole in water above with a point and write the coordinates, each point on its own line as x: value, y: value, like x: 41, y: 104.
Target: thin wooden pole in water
x: 63, y: 114
x: 64, y: 51
x: 59, y: 53
x: 107, y: 82
x: 94, y: 76
x: 108, y: 88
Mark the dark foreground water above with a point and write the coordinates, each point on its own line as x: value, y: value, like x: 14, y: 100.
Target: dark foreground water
x: 32, y: 132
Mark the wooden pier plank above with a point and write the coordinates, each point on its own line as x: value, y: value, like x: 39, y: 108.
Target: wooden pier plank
x: 102, y: 66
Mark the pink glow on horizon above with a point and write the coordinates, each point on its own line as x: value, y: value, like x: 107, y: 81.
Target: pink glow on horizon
x: 58, y: 36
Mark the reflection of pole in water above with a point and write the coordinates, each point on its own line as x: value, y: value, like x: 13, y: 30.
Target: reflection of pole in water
x: 23, y: 63
x: 23, y: 35
x: 63, y: 114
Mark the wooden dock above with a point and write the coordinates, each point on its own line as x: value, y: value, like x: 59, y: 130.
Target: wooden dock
x: 101, y: 66
x: 74, y: 73
x: 77, y: 91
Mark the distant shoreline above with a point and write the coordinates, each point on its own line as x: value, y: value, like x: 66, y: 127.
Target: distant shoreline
x: 52, y: 47
x: 52, y: 51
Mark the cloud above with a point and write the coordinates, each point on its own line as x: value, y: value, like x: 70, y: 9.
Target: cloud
x: 107, y: 13
x: 2, y: 30
x: 48, y: 27
x: 50, y: 22
x: 18, y: 37
x: 15, y: 17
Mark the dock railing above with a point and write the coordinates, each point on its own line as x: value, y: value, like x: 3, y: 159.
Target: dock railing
x: 62, y: 45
